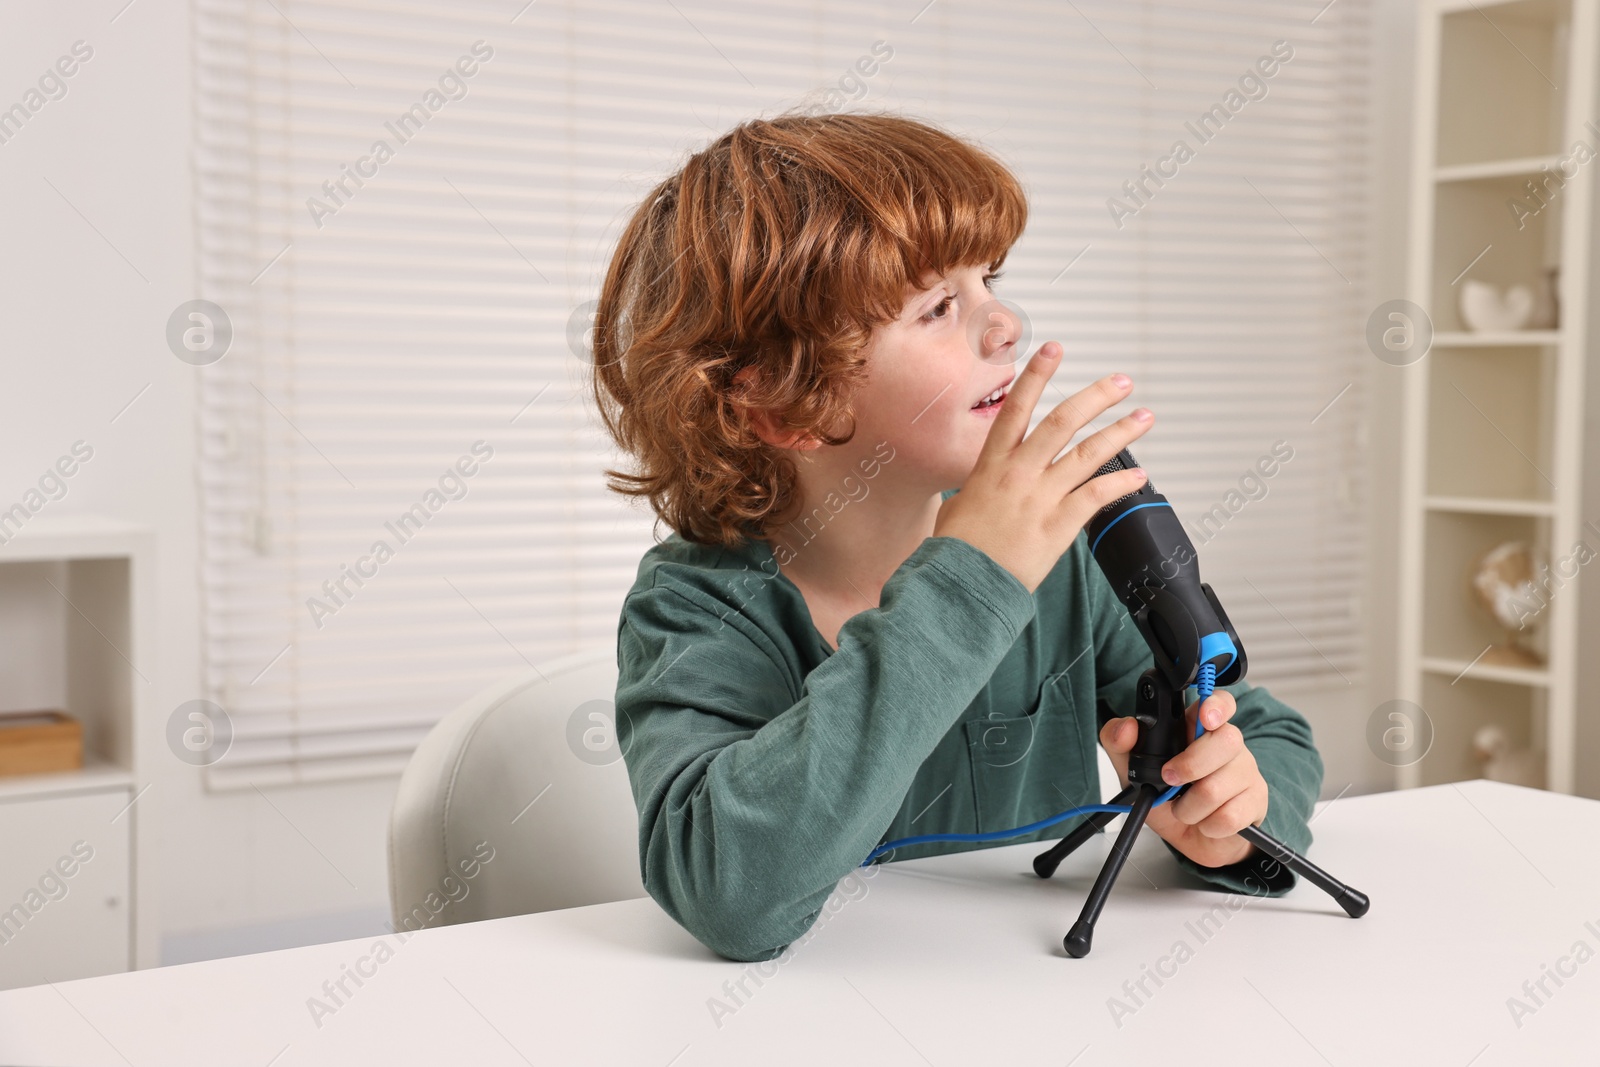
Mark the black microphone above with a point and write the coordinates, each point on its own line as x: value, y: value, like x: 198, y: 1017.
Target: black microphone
x: 1151, y: 564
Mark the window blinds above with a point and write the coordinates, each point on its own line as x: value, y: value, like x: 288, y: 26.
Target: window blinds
x: 404, y: 208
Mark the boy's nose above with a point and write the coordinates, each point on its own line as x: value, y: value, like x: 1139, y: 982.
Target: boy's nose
x: 994, y: 332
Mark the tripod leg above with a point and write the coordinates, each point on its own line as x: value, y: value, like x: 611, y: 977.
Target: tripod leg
x: 1045, y: 863
x: 1079, y: 937
x: 1353, y: 901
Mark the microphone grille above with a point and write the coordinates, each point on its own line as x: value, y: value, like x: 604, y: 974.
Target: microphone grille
x: 1121, y: 461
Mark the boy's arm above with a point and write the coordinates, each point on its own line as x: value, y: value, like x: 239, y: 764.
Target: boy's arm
x: 752, y: 805
x: 1278, y: 737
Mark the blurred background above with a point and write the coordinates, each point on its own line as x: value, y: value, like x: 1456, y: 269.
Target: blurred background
x: 284, y: 282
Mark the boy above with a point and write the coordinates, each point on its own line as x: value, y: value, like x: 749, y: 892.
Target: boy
x: 835, y: 647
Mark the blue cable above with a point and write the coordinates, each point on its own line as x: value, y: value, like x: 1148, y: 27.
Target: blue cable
x: 1204, y: 684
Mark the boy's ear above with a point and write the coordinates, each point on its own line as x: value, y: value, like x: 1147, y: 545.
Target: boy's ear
x: 767, y: 428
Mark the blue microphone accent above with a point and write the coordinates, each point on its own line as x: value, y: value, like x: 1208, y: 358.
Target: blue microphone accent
x: 1214, y: 644
x: 1119, y: 518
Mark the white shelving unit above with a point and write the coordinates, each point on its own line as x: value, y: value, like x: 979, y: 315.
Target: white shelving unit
x: 77, y: 633
x: 1493, y: 438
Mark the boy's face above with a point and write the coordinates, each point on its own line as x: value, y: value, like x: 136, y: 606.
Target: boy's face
x: 953, y: 345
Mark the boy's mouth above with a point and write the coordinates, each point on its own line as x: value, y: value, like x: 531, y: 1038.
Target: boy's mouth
x: 994, y: 399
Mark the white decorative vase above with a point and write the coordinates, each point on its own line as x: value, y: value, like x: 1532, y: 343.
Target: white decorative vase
x: 1485, y: 310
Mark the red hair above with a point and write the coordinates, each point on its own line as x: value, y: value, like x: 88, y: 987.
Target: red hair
x: 778, y: 247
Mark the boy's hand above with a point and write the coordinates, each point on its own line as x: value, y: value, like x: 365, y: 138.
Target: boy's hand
x: 1227, y: 794
x: 1021, y: 505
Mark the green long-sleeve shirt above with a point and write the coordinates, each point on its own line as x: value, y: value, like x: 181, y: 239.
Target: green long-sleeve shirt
x: 766, y: 766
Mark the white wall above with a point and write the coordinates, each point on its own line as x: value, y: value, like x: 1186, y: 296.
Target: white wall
x: 83, y: 335
x: 1339, y: 717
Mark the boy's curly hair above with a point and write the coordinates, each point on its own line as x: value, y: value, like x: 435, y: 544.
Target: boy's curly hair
x: 778, y: 247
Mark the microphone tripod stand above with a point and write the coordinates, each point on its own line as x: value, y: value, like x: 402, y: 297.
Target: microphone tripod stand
x: 1163, y: 733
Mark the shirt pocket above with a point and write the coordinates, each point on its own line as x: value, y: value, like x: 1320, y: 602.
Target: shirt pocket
x: 1032, y: 766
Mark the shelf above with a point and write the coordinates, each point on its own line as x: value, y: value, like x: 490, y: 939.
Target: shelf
x: 1487, y: 413
x: 1483, y: 505
x: 1496, y: 338
x: 1527, y: 11
x: 77, y: 619
x: 1456, y: 627
x: 1453, y: 668
x: 1500, y: 66
x: 1477, y: 237
x: 48, y: 537
x: 1494, y: 436
x: 1499, y: 168
x: 94, y: 777
x: 1458, y: 711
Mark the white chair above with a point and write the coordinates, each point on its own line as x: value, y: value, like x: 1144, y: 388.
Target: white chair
x: 518, y: 801
x: 1110, y: 784
x: 511, y: 805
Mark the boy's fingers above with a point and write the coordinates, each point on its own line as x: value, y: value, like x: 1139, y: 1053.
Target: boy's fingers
x: 1211, y: 751
x: 1231, y: 817
x: 1094, y: 494
x: 1217, y: 709
x: 1055, y: 431
x: 1197, y: 802
x: 1116, y: 735
x: 1205, y: 796
x: 1017, y: 412
x: 1094, y: 451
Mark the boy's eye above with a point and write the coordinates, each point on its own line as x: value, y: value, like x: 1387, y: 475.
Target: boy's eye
x: 938, y: 310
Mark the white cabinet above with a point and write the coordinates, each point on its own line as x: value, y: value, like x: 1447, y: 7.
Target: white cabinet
x: 77, y: 632
x: 64, y: 887
x: 1492, y: 445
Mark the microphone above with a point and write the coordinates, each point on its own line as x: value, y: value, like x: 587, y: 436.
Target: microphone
x: 1151, y: 564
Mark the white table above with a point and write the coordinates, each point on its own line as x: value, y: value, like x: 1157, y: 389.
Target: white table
x: 955, y: 960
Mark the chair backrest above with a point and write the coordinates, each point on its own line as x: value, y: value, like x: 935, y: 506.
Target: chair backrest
x: 517, y: 801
